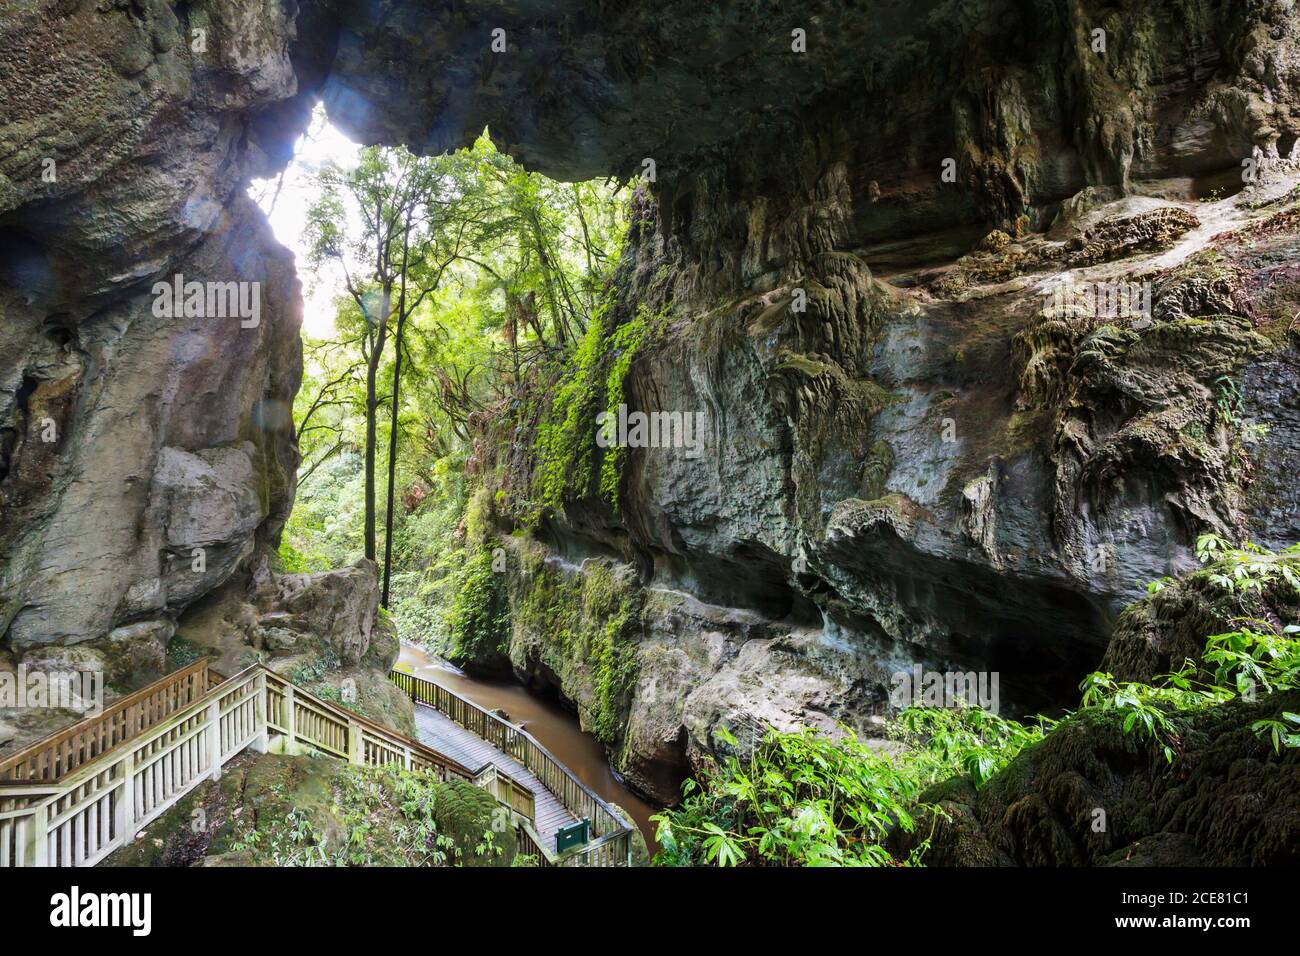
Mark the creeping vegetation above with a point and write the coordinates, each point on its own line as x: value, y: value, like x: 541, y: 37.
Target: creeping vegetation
x: 583, y: 627
x: 477, y: 620
x: 1259, y: 653
x: 568, y: 457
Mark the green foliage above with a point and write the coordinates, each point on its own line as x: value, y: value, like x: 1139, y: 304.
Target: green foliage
x: 380, y: 816
x: 310, y: 675
x: 965, y: 740
x: 1141, y: 706
x: 180, y: 653
x: 1259, y: 653
x: 624, y: 345
x: 565, y: 443
x: 293, y: 561
x: 324, y: 528
x: 466, y: 815
x: 513, y: 317
x: 609, y: 610
x: 1228, y: 399
x: 568, y: 456
x: 314, y: 674
x: 807, y: 799
x: 478, y: 615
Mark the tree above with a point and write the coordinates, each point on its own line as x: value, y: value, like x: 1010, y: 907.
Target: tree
x: 465, y: 283
x: 396, y: 222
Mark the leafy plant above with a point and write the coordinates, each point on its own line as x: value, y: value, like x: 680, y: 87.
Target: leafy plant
x: 1258, y: 654
x: 805, y: 798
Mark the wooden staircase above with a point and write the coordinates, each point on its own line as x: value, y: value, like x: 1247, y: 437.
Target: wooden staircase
x: 75, y: 796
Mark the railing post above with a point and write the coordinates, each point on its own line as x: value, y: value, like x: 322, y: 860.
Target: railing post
x: 126, y: 799
x: 259, y: 743
x: 214, y: 739
x: 290, y: 719
x: 356, y: 747
x: 38, y: 842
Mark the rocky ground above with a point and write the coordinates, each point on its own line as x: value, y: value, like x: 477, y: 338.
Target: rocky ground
x: 324, y: 631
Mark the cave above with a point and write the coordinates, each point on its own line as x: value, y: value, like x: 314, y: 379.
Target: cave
x: 844, y: 224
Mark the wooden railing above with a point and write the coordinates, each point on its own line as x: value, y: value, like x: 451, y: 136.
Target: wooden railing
x: 52, y: 758
x: 97, y: 807
x: 507, y: 790
x: 611, y: 837
x: 91, y: 803
x: 530, y: 842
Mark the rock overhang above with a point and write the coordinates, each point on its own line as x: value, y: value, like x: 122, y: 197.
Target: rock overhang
x: 585, y: 89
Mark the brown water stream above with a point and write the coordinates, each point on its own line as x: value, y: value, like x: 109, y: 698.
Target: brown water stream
x: 554, y: 727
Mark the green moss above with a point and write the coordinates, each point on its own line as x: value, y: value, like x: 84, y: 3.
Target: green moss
x: 270, y: 810
x: 465, y: 817
x: 478, y: 518
x: 565, y: 442
x: 625, y: 344
x: 477, y: 618
x: 180, y: 653
x: 812, y: 368
x: 1279, y: 311
x: 569, y: 460
x: 581, y: 625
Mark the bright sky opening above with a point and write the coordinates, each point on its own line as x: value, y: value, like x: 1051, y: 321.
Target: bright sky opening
x: 287, y: 212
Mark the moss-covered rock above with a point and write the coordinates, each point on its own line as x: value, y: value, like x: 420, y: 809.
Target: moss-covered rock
x: 1156, y: 634
x: 470, y: 818
x: 1090, y: 794
x: 325, y: 631
x: 576, y: 629
x: 270, y: 810
x: 477, y: 620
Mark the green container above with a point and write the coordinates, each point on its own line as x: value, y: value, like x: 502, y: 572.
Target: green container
x: 575, y: 834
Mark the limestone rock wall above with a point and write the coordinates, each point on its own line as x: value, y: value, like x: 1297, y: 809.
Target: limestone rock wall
x: 930, y: 464
x: 132, y: 438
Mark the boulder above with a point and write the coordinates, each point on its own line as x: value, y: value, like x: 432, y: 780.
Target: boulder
x: 317, y: 629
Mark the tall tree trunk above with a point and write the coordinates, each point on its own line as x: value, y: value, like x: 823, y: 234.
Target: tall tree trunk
x: 372, y: 413
x: 392, y: 431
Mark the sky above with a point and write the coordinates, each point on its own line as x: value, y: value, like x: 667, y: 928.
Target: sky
x: 288, y: 214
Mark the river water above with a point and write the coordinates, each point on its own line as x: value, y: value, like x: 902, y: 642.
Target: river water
x: 555, y: 728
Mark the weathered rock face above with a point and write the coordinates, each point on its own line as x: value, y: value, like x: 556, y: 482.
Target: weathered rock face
x: 944, y: 469
x: 933, y: 463
x: 144, y: 455
x: 920, y: 466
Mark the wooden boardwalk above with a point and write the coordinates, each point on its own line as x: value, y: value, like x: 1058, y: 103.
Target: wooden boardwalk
x: 438, y: 731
